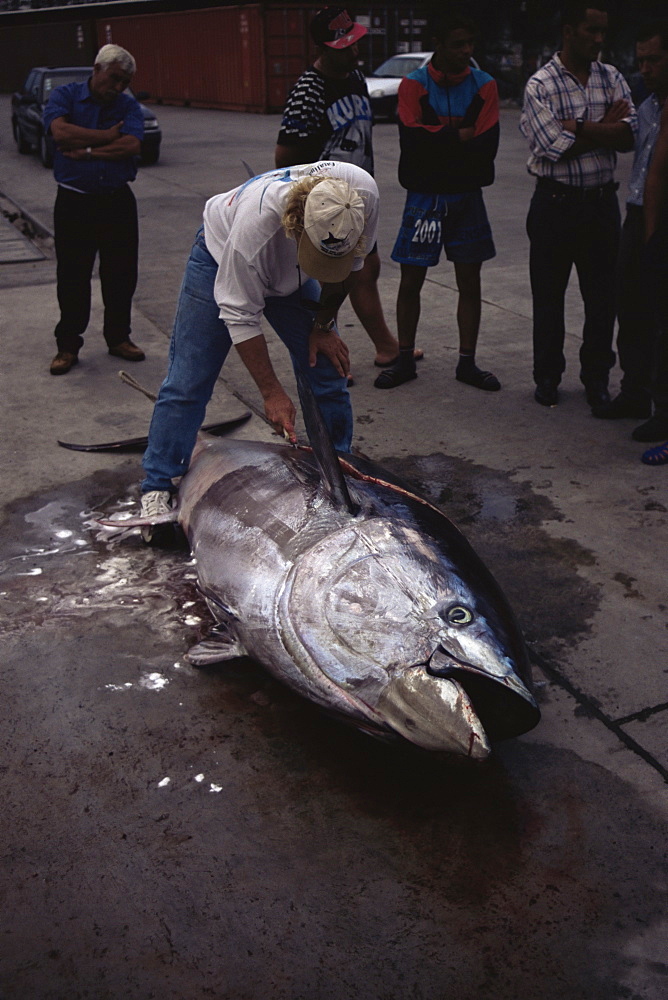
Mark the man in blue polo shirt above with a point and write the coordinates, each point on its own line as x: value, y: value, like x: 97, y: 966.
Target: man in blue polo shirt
x: 98, y: 130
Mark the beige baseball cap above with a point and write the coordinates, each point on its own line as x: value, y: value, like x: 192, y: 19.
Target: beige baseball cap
x: 333, y: 224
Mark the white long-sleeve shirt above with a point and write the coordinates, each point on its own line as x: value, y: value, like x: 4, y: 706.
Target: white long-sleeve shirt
x: 255, y: 258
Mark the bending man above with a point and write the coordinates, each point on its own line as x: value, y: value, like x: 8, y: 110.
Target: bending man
x: 262, y: 250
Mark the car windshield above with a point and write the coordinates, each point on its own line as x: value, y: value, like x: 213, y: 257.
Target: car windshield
x: 53, y: 80
x: 399, y: 66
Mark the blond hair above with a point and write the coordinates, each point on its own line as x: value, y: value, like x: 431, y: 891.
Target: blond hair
x: 293, y: 215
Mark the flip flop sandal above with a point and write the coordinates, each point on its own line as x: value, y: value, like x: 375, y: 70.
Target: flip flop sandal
x: 418, y: 355
x: 656, y: 456
x: 479, y: 379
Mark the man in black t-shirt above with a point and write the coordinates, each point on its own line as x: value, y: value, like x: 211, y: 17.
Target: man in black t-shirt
x: 328, y: 117
x: 328, y: 114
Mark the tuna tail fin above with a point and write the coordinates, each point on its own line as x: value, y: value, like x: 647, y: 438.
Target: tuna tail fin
x: 249, y: 170
x: 323, y: 449
x: 139, y: 443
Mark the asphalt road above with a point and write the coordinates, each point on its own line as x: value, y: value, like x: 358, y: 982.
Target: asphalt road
x: 177, y: 833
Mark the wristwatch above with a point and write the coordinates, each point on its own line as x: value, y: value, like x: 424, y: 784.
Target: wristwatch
x: 579, y: 125
x: 325, y: 327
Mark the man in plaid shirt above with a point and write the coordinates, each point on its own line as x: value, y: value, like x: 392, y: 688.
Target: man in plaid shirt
x: 577, y: 115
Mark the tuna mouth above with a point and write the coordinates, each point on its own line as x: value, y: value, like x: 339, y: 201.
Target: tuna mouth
x: 505, y: 706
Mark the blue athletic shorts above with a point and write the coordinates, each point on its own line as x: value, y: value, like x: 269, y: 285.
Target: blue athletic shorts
x: 457, y: 222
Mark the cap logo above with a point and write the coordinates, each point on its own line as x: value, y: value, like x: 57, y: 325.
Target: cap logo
x: 341, y: 25
x: 335, y: 247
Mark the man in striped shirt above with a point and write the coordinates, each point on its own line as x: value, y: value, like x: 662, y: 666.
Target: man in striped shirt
x: 577, y: 115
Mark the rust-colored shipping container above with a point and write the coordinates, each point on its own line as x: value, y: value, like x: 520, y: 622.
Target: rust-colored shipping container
x: 247, y: 57
x: 241, y: 58
x: 244, y: 57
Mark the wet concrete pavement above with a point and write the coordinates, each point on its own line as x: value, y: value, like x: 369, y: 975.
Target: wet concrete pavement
x: 180, y: 833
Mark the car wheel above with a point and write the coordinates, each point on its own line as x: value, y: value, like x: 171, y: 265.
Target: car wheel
x: 148, y: 159
x: 45, y: 151
x: 24, y: 147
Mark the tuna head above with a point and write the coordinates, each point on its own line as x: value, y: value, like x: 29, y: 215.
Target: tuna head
x: 413, y: 631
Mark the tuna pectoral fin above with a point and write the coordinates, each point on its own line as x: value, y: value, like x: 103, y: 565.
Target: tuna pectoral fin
x: 219, y: 645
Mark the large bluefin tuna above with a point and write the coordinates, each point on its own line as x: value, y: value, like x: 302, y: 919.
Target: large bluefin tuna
x: 354, y: 591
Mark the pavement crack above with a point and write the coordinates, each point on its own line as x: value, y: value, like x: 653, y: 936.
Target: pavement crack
x: 593, y: 711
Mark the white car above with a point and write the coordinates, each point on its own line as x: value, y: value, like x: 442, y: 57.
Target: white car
x: 383, y: 84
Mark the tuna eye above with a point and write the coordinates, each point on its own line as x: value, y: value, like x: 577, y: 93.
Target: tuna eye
x: 457, y: 614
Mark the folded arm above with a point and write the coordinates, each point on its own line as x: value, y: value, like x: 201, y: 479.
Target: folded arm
x: 552, y: 138
x: 612, y: 132
x: 422, y: 126
x: 105, y: 144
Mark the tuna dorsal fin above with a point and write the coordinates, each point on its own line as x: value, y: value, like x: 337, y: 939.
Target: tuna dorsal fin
x: 323, y: 450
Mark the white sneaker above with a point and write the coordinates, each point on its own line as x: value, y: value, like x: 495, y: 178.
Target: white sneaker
x: 153, y: 504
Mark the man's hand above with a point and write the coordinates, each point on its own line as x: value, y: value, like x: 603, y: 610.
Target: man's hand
x: 75, y: 154
x: 617, y: 111
x: 280, y: 413
x: 331, y: 345
x: 277, y: 404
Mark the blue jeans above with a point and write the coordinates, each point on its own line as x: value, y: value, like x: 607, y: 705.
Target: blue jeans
x: 197, y: 351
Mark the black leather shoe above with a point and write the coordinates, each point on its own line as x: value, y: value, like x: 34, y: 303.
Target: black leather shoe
x: 623, y: 406
x: 546, y: 392
x: 597, y: 394
x: 654, y: 429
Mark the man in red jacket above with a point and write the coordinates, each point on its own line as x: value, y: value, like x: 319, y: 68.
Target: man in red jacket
x: 449, y: 134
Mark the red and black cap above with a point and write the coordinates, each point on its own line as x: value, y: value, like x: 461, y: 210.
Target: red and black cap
x: 334, y: 27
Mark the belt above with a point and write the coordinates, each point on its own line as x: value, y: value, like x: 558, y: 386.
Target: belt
x: 111, y: 193
x: 572, y: 193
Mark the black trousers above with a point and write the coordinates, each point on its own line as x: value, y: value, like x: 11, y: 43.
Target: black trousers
x: 638, y: 328
x: 565, y: 229
x: 86, y: 225
x: 656, y: 256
